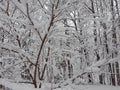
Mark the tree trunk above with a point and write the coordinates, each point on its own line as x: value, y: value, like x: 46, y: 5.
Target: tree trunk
x: 45, y: 66
x: 117, y: 72
x: 111, y: 70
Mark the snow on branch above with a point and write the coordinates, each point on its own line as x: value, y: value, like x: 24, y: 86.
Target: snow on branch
x: 17, y: 50
x: 20, y: 6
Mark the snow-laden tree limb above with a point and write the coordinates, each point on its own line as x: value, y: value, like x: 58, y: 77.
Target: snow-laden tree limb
x: 18, y: 51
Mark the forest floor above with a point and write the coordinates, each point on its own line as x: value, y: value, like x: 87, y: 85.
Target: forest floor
x: 90, y: 87
x: 15, y: 86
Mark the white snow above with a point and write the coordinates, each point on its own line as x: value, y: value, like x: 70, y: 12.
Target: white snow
x: 89, y: 87
x: 16, y: 86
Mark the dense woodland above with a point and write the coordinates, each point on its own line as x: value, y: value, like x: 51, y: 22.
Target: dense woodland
x: 60, y: 42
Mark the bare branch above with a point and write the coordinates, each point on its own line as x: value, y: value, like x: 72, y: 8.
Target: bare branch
x: 7, y: 10
x: 28, y: 14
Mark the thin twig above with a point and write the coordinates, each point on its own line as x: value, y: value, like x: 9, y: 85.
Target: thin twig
x: 7, y: 10
x: 28, y: 15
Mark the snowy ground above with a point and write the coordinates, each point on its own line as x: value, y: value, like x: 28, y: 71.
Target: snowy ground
x: 90, y: 87
x: 14, y: 86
